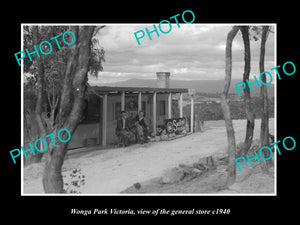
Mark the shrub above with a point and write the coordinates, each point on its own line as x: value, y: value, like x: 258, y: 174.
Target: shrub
x: 74, y: 181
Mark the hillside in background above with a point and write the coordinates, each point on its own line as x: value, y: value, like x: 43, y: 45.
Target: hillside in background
x: 204, y: 86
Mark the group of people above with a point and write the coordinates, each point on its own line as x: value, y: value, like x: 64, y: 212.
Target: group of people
x: 128, y: 128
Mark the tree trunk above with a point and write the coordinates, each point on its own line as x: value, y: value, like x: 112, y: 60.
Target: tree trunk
x: 71, y: 106
x: 226, y: 111
x: 264, y: 129
x: 52, y: 176
x: 39, y: 90
x: 247, y: 97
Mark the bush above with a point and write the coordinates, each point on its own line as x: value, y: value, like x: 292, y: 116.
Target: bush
x: 74, y: 181
x: 211, y: 110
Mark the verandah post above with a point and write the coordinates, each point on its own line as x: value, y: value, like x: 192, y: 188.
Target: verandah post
x: 154, y: 113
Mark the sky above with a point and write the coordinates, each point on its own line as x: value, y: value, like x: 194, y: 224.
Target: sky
x: 191, y: 52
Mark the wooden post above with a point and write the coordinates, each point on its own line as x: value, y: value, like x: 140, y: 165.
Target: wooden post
x: 104, y: 120
x: 170, y: 106
x: 100, y: 120
x: 192, y: 113
x: 123, y: 101
x: 154, y: 114
x: 180, y: 105
x: 140, y: 101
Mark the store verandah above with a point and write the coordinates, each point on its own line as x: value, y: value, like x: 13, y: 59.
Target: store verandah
x: 105, y: 104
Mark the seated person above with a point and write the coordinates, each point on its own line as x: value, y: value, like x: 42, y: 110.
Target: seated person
x: 122, y: 130
x: 142, y: 127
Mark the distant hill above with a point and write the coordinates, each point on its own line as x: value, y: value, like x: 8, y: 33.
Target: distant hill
x: 207, y: 86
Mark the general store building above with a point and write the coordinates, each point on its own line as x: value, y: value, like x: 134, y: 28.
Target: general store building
x: 104, y: 104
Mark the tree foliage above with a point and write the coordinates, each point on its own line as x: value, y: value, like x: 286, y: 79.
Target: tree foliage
x: 54, y: 65
x: 55, y: 62
x: 61, y: 85
x: 45, y: 76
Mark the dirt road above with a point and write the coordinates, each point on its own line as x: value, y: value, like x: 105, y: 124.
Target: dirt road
x: 111, y: 171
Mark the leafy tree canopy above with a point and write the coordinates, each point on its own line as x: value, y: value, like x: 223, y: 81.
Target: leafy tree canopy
x: 55, y: 63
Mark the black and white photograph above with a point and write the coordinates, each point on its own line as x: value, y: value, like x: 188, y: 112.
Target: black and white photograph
x: 155, y: 118
x: 136, y: 112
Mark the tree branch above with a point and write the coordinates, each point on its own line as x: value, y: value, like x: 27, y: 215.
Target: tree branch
x: 228, y: 59
x: 247, y: 95
x: 49, y: 100
x: 39, y: 83
x: 80, y: 77
x: 66, y: 93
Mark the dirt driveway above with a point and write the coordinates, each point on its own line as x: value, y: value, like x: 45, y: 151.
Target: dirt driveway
x: 111, y: 171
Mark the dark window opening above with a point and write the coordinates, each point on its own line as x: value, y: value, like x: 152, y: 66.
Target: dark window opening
x: 162, y: 107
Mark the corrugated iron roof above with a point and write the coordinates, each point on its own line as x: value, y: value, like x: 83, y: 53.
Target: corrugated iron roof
x: 109, y: 89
